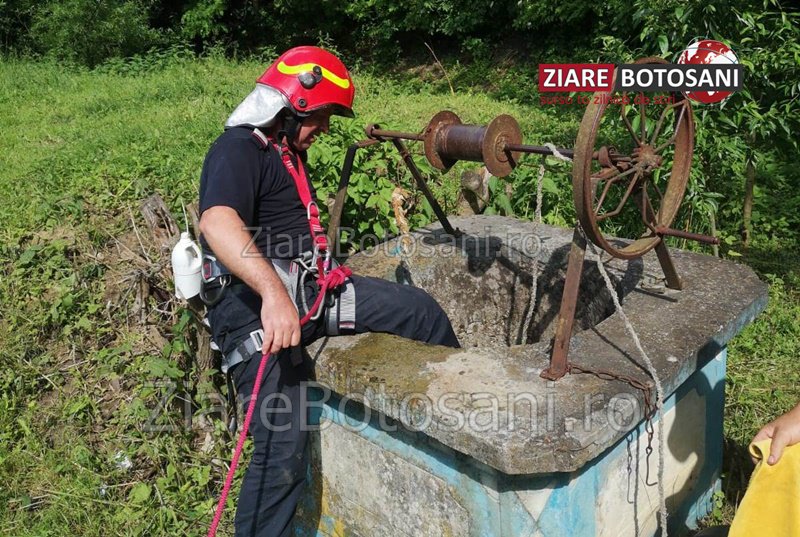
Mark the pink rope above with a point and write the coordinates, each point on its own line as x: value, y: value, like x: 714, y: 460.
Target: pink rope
x: 333, y: 279
x: 212, y: 531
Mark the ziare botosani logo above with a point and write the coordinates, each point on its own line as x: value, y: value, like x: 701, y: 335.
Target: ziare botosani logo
x: 708, y: 52
x: 707, y: 71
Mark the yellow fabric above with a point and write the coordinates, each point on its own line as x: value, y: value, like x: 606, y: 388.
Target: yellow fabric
x: 771, y: 505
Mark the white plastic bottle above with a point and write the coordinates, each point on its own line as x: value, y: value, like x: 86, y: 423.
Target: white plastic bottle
x: 186, y: 264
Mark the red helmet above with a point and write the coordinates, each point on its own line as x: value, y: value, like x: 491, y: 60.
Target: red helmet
x: 312, y: 78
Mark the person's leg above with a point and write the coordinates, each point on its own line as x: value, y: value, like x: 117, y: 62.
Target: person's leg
x: 276, y: 474
x: 410, y: 312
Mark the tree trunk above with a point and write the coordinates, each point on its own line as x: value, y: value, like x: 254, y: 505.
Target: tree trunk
x: 712, y: 216
x: 750, y: 181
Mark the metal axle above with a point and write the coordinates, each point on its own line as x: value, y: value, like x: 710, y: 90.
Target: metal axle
x: 499, y: 146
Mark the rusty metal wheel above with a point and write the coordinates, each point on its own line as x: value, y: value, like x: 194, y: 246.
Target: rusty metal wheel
x: 631, y: 165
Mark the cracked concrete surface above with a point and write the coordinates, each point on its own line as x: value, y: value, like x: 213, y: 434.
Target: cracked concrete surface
x: 487, y: 399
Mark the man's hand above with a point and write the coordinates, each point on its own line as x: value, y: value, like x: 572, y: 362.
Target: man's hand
x: 233, y: 245
x: 280, y: 322
x: 784, y: 431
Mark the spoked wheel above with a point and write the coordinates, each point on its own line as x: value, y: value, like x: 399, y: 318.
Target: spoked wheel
x: 632, y: 161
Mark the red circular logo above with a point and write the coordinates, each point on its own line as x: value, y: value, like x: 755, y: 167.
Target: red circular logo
x: 704, y: 52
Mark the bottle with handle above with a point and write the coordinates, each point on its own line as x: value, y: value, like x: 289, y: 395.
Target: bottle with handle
x: 186, y: 264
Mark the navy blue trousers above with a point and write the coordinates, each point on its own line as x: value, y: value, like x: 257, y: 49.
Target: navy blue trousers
x: 276, y: 475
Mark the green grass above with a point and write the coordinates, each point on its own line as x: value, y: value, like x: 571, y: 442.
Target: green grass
x: 79, y: 150
x: 763, y: 375
x: 75, y: 142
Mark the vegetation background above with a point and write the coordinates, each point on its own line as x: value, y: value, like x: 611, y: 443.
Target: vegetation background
x: 104, y: 102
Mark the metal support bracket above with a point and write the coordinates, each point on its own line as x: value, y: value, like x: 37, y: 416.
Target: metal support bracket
x: 569, y: 302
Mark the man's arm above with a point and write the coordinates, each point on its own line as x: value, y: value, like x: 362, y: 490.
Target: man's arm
x: 226, y: 234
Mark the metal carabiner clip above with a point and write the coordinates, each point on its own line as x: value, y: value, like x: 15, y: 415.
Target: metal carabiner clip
x: 305, y: 262
x: 224, y: 281
x: 308, y: 209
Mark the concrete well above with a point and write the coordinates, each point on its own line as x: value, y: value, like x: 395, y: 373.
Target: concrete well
x: 428, y: 441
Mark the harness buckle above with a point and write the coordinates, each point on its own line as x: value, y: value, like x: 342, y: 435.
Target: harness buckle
x: 257, y: 337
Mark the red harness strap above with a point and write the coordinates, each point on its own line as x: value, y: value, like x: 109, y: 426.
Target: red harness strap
x: 318, y: 237
x: 327, y: 279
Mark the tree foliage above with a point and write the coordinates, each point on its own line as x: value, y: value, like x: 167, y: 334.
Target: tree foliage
x: 90, y: 31
x: 750, y: 134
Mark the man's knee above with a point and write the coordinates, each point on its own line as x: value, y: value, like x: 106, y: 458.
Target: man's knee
x: 433, y: 324
x: 441, y: 329
x: 424, y: 303
x: 284, y: 457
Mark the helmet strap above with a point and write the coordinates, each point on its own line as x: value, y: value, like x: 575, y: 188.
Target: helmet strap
x: 291, y: 127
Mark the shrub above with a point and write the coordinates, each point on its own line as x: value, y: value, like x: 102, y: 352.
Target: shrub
x: 90, y: 31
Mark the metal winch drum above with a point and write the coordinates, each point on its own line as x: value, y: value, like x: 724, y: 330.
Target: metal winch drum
x: 627, y: 158
x: 447, y: 140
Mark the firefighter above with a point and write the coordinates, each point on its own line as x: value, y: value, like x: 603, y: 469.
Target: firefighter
x: 264, y: 254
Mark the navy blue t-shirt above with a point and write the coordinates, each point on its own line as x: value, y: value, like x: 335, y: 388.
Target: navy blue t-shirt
x: 239, y: 173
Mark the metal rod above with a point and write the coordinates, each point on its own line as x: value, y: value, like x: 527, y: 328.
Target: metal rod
x: 392, y: 135
x: 341, y: 194
x: 566, y: 315
x: 706, y: 239
x: 674, y: 281
x: 670, y: 232
x: 570, y: 153
x: 423, y: 186
x: 538, y: 149
x: 376, y: 133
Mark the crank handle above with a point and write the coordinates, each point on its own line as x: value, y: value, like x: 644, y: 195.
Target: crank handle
x: 706, y: 239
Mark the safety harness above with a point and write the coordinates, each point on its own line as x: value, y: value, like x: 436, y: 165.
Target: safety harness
x: 328, y: 278
x: 337, y: 305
